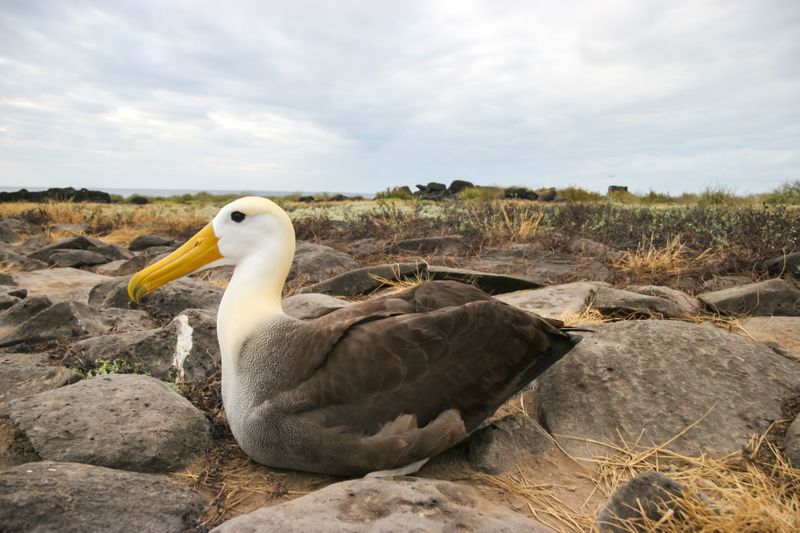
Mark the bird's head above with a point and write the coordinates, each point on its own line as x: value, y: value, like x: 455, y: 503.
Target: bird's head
x: 246, y: 230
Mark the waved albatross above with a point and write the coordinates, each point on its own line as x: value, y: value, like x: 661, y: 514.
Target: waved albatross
x: 382, y: 385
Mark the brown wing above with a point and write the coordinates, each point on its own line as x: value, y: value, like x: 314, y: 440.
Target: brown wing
x: 437, y: 348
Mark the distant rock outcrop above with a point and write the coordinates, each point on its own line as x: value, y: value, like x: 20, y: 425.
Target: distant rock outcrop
x: 67, y: 194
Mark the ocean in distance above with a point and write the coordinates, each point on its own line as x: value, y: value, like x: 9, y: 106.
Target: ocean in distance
x: 161, y: 193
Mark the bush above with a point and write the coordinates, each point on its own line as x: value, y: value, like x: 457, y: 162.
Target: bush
x: 481, y: 194
x: 576, y: 194
x: 653, y: 197
x: 788, y: 193
x: 396, y: 193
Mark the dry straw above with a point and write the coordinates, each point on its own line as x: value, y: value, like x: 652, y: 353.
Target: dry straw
x: 752, y: 491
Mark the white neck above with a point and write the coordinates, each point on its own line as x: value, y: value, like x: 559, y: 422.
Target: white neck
x: 252, y: 298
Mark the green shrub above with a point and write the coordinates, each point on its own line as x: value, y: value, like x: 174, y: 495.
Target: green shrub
x: 395, y: 193
x: 717, y: 196
x: 481, y: 194
x: 788, y: 193
x: 576, y: 194
x: 653, y: 197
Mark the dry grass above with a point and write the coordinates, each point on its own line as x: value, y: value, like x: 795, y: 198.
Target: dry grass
x: 753, y: 491
x: 115, y: 223
x: 509, y: 221
x: 582, y: 318
x: 399, y: 282
x: 651, y: 259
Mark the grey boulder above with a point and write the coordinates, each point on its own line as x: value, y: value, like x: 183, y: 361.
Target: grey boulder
x: 397, y: 505
x: 557, y: 300
x: 76, y: 258
x: 20, y: 312
x: 649, y: 494
x: 688, y: 305
x: 788, y: 264
x: 617, y: 302
x: 14, y: 260
x: 781, y: 333
x: 73, y: 320
x: 548, y: 267
x: 166, y: 301
x: 651, y: 379
x: 23, y: 374
x: 442, y: 245
x: 126, y: 421
x: 505, y: 443
x: 60, y: 284
x: 184, y: 350
x: 109, y: 251
x: 143, y: 242
x: 69, y: 497
x: 316, y: 262
x: 765, y: 298
x: 309, y: 305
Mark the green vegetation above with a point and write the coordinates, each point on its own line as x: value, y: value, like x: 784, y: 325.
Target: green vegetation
x: 481, y: 194
x: 395, y: 193
x: 788, y: 194
x: 104, y: 367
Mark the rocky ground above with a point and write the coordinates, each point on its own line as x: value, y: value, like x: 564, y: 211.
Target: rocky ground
x: 110, y: 415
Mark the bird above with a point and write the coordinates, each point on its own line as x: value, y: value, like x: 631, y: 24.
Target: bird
x: 376, y: 388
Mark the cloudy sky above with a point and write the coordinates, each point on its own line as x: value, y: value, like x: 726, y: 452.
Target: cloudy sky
x: 357, y: 96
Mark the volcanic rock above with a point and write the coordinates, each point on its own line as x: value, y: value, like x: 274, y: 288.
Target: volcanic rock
x: 505, y: 443
x: 398, y: 505
x: 70, y: 497
x: 651, y: 379
x: 125, y: 421
x: 765, y: 298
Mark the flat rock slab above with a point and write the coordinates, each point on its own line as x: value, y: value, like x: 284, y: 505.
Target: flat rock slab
x: 14, y: 260
x: 60, y: 284
x: 611, y: 302
x: 69, y: 497
x: 688, y: 305
x: 76, y: 258
x: 369, y: 279
x: 488, y: 282
x: 309, y: 305
x: 24, y: 374
x: 125, y: 421
x: 549, y: 267
x: 316, y: 262
x: 558, y: 300
x: 72, y: 320
x: 654, y: 378
x: 506, y: 443
x: 22, y: 311
x: 122, y: 267
x: 109, y: 251
x: 398, y: 505
x: 765, y: 298
x: 185, y: 350
x: 781, y: 333
x: 166, y: 301
x: 143, y: 242
x: 443, y: 245
x: 366, y: 280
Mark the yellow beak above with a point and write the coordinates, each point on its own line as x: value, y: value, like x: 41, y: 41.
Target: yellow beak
x: 193, y: 254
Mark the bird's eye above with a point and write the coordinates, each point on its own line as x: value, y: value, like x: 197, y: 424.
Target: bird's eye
x: 237, y: 216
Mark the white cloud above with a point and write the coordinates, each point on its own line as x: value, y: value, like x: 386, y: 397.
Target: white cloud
x: 354, y: 96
